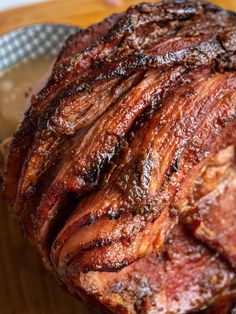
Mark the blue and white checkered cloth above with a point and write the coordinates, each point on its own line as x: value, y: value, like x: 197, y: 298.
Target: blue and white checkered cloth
x: 32, y: 41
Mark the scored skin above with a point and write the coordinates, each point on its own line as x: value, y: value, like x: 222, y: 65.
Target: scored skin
x: 58, y: 188
x: 57, y: 124
x: 152, y: 87
x: 49, y: 143
x: 44, y: 148
x: 83, y: 244
x: 113, y: 128
x: 136, y: 16
x: 65, y: 120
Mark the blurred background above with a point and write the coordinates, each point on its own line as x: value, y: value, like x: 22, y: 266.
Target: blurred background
x: 15, y: 13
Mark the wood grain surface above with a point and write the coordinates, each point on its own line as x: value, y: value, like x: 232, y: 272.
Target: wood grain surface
x: 25, y: 287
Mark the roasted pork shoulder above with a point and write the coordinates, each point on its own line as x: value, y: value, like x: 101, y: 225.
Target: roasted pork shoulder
x: 123, y: 172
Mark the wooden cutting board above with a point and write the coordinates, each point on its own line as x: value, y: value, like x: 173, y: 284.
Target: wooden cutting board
x: 25, y: 287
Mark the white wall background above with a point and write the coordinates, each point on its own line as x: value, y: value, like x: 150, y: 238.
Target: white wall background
x: 9, y: 4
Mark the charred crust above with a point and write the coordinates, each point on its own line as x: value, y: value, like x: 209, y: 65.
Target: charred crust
x: 117, y: 174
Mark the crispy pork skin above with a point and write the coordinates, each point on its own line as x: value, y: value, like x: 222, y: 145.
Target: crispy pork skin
x: 123, y: 172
